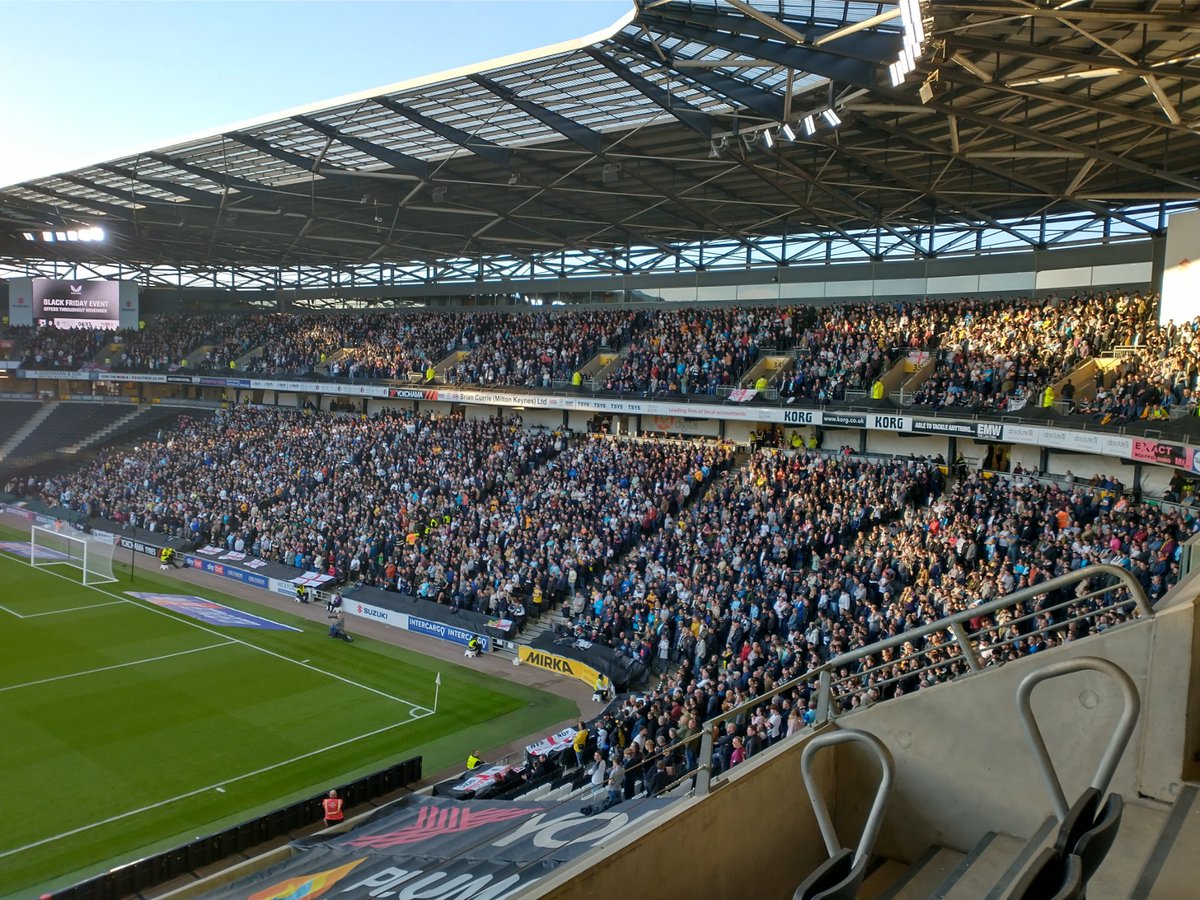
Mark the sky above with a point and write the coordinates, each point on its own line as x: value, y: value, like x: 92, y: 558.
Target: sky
x: 84, y: 82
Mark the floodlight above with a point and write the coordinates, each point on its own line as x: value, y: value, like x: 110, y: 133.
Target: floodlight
x: 60, y: 235
x: 896, y: 74
x: 810, y: 126
x: 48, y: 237
x: 29, y: 236
x: 787, y: 132
x: 767, y: 140
x: 832, y: 118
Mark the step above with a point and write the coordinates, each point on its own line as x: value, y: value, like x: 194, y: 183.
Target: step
x: 1141, y: 824
x: 978, y: 871
x: 1043, y: 837
x: 1173, y: 866
x: 881, y: 880
x: 924, y: 875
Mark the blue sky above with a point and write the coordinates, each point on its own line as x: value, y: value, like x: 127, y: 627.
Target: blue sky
x: 82, y: 82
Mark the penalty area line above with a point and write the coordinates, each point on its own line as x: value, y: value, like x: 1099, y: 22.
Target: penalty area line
x: 124, y: 665
x: 149, y: 607
x: 56, y: 612
x: 414, y: 716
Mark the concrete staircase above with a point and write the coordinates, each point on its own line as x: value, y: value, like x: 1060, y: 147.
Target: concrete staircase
x: 97, y: 436
x: 25, y: 430
x: 1156, y: 856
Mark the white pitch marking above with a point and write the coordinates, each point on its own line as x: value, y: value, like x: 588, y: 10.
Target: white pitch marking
x: 149, y: 607
x: 211, y: 787
x: 55, y: 612
x: 124, y: 665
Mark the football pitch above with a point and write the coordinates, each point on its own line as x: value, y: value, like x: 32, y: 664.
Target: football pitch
x: 128, y: 727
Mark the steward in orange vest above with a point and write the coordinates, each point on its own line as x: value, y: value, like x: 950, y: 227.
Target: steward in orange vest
x: 332, y: 806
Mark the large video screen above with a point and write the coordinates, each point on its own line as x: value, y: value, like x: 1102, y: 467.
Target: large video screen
x: 76, y: 304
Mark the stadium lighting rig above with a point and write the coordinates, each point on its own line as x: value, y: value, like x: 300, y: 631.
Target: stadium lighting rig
x: 912, y: 17
x: 93, y: 234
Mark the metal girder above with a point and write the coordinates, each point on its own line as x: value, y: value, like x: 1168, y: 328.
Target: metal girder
x: 1043, y: 136
x: 770, y: 106
x: 955, y: 205
x: 230, y: 181
x: 401, y: 162
x: 1130, y: 16
x: 807, y: 207
x: 205, y: 198
x: 127, y: 196
x: 816, y: 61
x: 585, y: 137
x: 841, y: 196
x: 695, y: 119
x: 1050, y: 52
x: 871, y: 46
x: 485, y: 149
x: 595, y: 142
x: 1030, y: 184
x: 1108, y: 110
x: 304, y: 163
x: 115, y: 212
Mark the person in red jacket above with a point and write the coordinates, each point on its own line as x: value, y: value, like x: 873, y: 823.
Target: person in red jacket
x: 332, y: 805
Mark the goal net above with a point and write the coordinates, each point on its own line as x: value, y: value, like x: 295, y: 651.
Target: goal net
x: 92, y: 556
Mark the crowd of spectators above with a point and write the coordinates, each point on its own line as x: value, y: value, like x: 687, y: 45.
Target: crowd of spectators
x: 992, y: 355
x: 474, y: 512
x: 697, y: 351
x: 1003, y: 354
x: 539, y: 349
x: 796, y: 559
x: 1158, y: 378
x: 314, y: 491
x: 849, y: 347
x: 64, y: 348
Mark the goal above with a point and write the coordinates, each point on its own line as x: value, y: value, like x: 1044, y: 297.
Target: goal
x: 91, y: 555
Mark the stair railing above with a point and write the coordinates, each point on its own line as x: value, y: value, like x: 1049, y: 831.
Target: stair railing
x: 1117, y: 741
x: 866, y: 841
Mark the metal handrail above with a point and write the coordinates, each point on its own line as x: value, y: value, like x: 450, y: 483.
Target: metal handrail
x: 866, y: 840
x: 1116, y: 743
x: 955, y: 625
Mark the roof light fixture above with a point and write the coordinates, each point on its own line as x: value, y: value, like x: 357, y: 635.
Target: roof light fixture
x: 810, y: 125
x: 786, y: 131
x: 831, y: 118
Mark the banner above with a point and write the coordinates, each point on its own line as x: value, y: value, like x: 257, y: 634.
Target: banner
x: 1145, y: 450
x: 409, y: 622
x: 440, y: 849
x: 76, y: 304
x: 551, y: 745
x: 552, y: 662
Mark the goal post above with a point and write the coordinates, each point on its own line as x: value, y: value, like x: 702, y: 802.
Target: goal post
x: 91, y: 555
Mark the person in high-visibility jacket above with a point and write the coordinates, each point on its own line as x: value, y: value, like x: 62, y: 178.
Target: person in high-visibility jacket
x: 474, y: 761
x: 761, y: 383
x: 332, y: 806
x: 576, y: 380
x: 1048, y: 397
x: 877, y: 391
x: 165, y: 555
x: 430, y: 374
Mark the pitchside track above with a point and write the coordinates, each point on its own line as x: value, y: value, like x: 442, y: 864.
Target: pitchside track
x: 130, y: 727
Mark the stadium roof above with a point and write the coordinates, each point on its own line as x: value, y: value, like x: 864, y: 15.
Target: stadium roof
x: 663, y: 138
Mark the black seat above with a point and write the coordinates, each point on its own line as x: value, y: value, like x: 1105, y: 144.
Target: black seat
x: 1093, y: 845
x: 1050, y: 877
x: 1080, y: 818
x: 838, y: 878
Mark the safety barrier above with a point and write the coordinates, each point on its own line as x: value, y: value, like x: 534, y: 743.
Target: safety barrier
x: 163, y: 867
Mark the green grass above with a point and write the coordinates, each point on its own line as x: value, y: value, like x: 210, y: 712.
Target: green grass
x: 125, y: 711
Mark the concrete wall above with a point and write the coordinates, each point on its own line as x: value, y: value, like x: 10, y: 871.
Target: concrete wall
x: 755, y: 836
x: 964, y: 767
